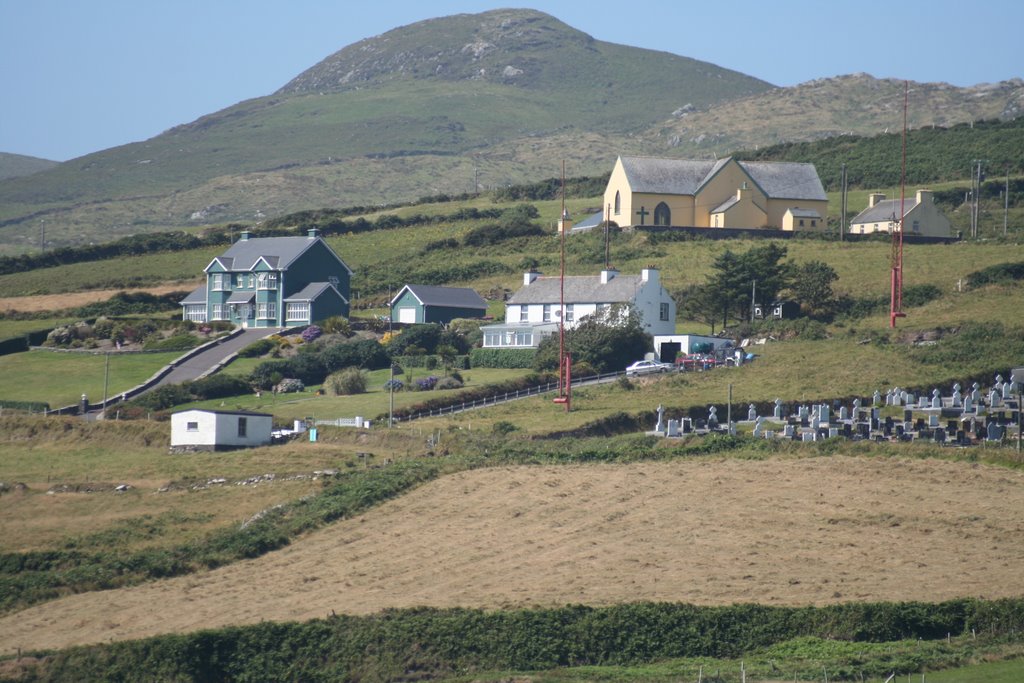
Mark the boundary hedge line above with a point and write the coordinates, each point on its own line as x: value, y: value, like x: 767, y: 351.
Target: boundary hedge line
x: 431, y: 643
x: 502, y: 358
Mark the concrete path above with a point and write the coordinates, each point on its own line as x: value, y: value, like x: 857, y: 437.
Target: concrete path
x: 197, y: 365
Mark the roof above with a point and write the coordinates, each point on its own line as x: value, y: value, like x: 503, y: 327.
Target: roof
x: 196, y: 296
x: 665, y: 176
x: 803, y: 213
x: 589, y: 223
x: 454, y: 297
x: 726, y: 205
x: 241, y: 297
x: 312, y: 292
x: 243, y: 413
x: 579, y: 289
x: 777, y: 179
x: 884, y: 211
x: 278, y: 252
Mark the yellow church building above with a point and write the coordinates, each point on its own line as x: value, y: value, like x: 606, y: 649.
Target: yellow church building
x: 723, y: 193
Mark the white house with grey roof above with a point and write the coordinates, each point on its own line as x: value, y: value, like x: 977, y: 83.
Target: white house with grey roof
x: 272, y: 282
x: 723, y: 193
x: 920, y: 216
x: 535, y: 311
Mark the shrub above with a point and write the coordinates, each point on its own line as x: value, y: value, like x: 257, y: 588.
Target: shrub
x: 289, y: 386
x: 268, y: 373
x: 425, y: 337
x: 430, y: 363
x: 394, y: 385
x: 503, y: 427
x: 179, y: 342
x: 258, y: 348
x: 311, y: 333
x: 426, y: 383
x: 502, y: 358
x: 337, y: 324
x: 347, y: 382
x: 448, y: 383
x: 219, y: 386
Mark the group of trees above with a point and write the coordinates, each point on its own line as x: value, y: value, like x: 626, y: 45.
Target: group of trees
x: 760, y: 275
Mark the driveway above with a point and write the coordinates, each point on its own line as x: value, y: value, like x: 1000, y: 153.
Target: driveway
x: 198, y: 364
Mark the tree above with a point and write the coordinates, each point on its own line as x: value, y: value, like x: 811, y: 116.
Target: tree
x: 699, y: 303
x: 609, y: 339
x: 811, y: 285
x: 735, y: 278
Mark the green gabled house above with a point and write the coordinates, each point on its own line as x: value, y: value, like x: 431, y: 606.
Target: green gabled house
x: 272, y: 282
x: 430, y: 304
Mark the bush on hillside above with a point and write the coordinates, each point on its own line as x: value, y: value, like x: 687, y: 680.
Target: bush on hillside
x: 347, y: 382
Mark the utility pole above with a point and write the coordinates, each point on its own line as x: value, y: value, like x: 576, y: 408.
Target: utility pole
x: 753, y: 299
x: 1006, y: 201
x: 106, y: 378
x: 842, y: 205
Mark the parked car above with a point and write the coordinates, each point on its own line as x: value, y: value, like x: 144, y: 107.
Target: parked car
x: 646, y: 367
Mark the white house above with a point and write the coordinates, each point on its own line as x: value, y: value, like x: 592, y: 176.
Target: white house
x: 920, y: 216
x: 535, y: 311
x: 213, y: 430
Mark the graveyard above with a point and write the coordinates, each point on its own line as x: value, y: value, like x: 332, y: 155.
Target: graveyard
x: 962, y: 418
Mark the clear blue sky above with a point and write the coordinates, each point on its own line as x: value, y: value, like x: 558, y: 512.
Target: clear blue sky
x: 77, y: 76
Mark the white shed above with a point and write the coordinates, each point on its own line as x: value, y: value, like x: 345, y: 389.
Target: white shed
x: 668, y: 347
x: 212, y: 430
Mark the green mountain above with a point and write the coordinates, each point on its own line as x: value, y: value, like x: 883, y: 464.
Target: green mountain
x: 17, y: 165
x: 446, y: 106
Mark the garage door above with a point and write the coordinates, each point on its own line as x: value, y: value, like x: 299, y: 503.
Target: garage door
x: 406, y: 315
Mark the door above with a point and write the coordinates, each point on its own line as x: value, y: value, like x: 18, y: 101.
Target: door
x: 407, y: 315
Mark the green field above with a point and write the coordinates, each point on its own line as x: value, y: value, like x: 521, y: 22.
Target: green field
x: 60, y: 378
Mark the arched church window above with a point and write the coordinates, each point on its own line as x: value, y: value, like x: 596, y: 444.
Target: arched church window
x: 662, y: 214
x: 618, y: 203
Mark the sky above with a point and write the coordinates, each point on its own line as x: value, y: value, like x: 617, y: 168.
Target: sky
x: 80, y: 76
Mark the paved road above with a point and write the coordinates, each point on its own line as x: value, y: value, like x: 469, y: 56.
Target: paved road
x: 197, y: 365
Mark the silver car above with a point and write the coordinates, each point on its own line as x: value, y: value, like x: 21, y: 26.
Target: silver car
x: 647, y: 367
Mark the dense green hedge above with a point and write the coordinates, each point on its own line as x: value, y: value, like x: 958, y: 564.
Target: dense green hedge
x: 502, y: 358
x: 31, y: 406
x: 460, y: 362
x: 433, y: 643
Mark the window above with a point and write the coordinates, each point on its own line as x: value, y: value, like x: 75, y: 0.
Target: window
x: 663, y: 311
x: 265, y: 311
x: 239, y: 280
x: 218, y: 312
x: 547, y: 313
x: 195, y: 312
x: 569, y: 313
x: 814, y: 223
x: 618, y: 203
x: 801, y: 222
x: 252, y: 281
x: 191, y: 426
x: 524, y: 314
x: 917, y: 226
x: 221, y: 282
x: 266, y: 281
x: 297, y: 311
x: 662, y: 214
x: 243, y: 426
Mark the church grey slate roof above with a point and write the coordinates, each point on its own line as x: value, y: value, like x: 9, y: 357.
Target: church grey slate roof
x: 579, y: 289
x: 884, y: 211
x: 778, y: 180
x: 455, y: 297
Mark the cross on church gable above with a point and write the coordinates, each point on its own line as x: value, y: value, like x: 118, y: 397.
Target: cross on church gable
x: 643, y: 213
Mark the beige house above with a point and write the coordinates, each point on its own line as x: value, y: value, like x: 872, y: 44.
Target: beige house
x: 726, y: 193
x: 920, y: 216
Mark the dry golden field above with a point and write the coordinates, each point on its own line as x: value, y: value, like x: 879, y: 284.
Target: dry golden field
x: 781, y: 531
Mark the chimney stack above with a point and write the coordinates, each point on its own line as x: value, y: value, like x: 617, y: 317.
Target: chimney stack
x: 874, y: 198
x: 529, y: 277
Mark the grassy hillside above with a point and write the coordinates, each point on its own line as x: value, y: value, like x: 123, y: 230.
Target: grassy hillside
x: 17, y: 165
x: 448, y: 106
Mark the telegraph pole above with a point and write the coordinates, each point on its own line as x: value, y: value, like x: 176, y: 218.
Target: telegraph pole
x: 1006, y: 201
x: 842, y: 205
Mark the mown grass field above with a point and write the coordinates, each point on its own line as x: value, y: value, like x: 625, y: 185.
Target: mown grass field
x: 60, y: 378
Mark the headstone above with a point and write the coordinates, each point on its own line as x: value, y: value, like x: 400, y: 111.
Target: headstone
x: 788, y: 431
x: 936, y: 399
x: 889, y: 398
x: 933, y: 421
x: 758, y: 427
x: 844, y: 414
x: 660, y: 427
x: 922, y: 402
x: 940, y: 435
x: 1006, y: 391
x: 778, y: 409
x: 713, y: 418
x: 957, y: 396
x: 856, y: 408
x: 975, y: 393
x: 833, y: 432
x: 969, y: 406
x: 908, y: 415
x: 808, y: 436
x: 908, y: 399
x: 687, y: 425
x: 897, y: 397
x: 751, y: 413
x: 732, y: 429
x: 919, y: 424
x: 847, y: 430
x: 673, y: 428
x: 994, y: 432
x: 876, y: 398
x: 995, y: 399
x: 824, y: 414
x: 951, y: 426
x: 961, y: 437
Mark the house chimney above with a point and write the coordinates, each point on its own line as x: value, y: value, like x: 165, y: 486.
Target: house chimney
x: 244, y: 235
x: 608, y: 275
x: 924, y: 196
x: 874, y: 198
x: 649, y: 274
x: 313, y: 233
x: 529, y: 277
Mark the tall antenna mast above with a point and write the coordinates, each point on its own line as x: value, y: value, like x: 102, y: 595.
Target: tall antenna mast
x: 564, y: 361
x: 896, y: 294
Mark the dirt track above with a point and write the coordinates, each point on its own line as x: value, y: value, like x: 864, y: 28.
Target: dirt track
x: 793, y: 532
x: 56, y: 302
